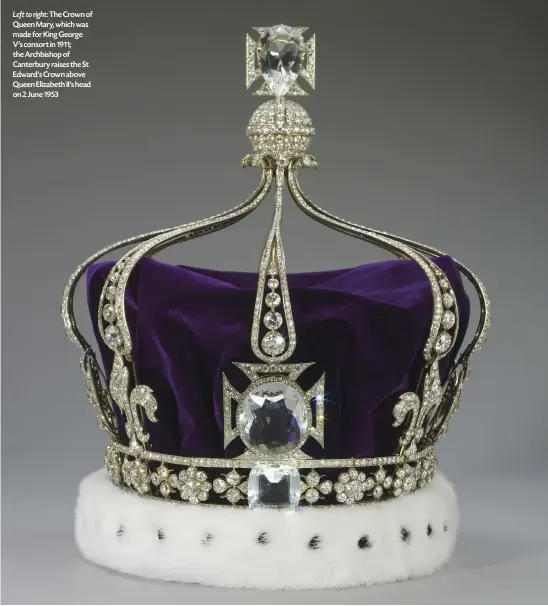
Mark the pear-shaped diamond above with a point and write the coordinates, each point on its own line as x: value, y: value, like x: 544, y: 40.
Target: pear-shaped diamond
x: 279, y: 54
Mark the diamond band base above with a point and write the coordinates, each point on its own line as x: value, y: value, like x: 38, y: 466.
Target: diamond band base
x: 307, y: 548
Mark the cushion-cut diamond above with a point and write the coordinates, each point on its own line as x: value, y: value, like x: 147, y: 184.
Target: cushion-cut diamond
x: 273, y: 418
x: 279, y: 53
x: 274, y: 486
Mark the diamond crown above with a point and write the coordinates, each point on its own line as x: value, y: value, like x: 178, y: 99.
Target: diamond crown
x: 279, y: 418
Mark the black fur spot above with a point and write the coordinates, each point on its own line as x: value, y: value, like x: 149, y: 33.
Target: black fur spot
x: 207, y: 539
x: 429, y: 530
x: 364, y: 542
x: 263, y: 539
x: 445, y: 528
x: 161, y: 535
x: 120, y: 531
x: 314, y: 542
x: 405, y: 534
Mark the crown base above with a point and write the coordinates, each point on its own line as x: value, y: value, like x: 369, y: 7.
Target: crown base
x: 402, y: 538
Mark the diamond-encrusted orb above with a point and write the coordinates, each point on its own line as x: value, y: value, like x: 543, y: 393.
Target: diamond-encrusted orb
x: 273, y: 320
x: 273, y: 283
x: 273, y: 486
x: 279, y: 54
x: 273, y: 343
x: 113, y: 336
x: 273, y: 418
x: 281, y: 131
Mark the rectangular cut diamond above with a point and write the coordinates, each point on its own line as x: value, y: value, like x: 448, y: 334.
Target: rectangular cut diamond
x: 273, y: 485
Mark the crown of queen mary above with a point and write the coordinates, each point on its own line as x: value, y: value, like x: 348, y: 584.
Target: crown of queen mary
x: 276, y: 389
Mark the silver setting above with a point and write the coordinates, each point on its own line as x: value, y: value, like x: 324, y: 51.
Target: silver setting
x: 113, y: 464
x: 313, y: 488
x: 244, y: 462
x: 192, y: 484
x: 136, y: 475
x: 352, y: 486
x: 383, y: 482
x: 162, y: 478
x: 231, y: 486
x: 141, y: 396
x: 280, y: 132
x: 406, y: 480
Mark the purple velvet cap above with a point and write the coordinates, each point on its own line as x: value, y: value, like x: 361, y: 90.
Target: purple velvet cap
x: 365, y: 327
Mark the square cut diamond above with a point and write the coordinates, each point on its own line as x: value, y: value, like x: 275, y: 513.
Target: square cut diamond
x: 273, y: 485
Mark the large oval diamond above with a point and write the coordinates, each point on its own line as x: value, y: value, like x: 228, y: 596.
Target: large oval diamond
x: 273, y: 418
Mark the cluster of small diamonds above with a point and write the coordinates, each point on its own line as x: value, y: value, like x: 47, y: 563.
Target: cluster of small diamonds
x: 113, y: 463
x: 273, y: 254
x: 233, y: 487
x: 67, y: 312
x: 406, y: 479
x: 312, y: 488
x: 353, y: 485
x: 193, y: 486
x: 135, y: 474
x: 449, y: 317
x: 251, y: 70
x: 273, y: 342
x: 309, y: 73
x: 107, y: 310
x: 161, y: 479
x: 280, y: 128
x: 301, y: 463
